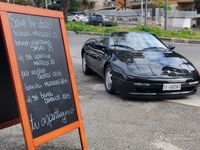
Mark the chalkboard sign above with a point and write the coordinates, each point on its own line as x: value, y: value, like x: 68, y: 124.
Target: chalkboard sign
x: 44, y: 72
x: 8, y: 105
x: 39, y: 75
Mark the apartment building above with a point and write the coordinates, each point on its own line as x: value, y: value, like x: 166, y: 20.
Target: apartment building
x: 103, y: 4
x: 187, y: 5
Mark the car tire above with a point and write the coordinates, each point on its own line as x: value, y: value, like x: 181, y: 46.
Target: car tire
x: 85, y: 69
x: 100, y: 24
x: 108, y: 82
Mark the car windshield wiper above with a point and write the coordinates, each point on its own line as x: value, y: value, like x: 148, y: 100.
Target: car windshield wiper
x: 153, y: 48
x: 124, y: 46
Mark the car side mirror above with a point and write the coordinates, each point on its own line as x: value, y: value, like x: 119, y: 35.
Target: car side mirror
x: 171, y: 47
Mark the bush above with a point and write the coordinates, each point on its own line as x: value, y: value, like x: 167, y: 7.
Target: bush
x: 76, y: 26
x: 184, y: 33
x: 115, y: 23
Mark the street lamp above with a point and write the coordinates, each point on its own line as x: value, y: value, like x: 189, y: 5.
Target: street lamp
x: 46, y: 4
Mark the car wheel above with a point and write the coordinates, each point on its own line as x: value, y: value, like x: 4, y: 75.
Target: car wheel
x: 85, y: 68
x: 108, y: 82
x: 100, y: 24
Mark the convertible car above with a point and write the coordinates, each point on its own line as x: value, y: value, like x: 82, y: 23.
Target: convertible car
x: 139, y: 64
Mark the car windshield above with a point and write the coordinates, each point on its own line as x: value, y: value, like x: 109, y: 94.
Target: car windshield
x: 136, y: 41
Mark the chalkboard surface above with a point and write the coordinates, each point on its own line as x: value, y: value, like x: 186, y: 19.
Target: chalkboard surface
x: 44, y: 72
x: 8, y: 105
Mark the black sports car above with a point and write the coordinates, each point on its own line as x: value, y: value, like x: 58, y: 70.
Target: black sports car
x: 139, y: 64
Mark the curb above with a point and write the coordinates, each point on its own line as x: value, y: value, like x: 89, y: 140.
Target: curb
x: 173, y: 40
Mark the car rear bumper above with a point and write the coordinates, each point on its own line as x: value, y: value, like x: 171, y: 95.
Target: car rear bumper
x: 151, y: 89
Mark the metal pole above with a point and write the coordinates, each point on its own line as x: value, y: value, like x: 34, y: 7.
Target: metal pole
x: 142, y: 14
x: 46, y: 4
x: 166, y: 8
x: 145, y: 12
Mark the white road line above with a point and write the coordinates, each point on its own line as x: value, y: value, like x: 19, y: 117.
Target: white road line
x: 193, y: 100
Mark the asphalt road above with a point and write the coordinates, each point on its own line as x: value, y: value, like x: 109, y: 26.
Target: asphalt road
x: 115, y: 123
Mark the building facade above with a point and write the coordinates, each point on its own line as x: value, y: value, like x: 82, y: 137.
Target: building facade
x: 103, y: 4
x: 186, y: 5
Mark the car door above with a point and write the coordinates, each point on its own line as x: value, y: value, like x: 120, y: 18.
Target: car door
x: 92, y: 20
x: 98, y: 20
x: 90, y: 52
x: 100, y: 55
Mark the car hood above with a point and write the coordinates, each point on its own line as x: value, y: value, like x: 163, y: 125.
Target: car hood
x: 154, y: 63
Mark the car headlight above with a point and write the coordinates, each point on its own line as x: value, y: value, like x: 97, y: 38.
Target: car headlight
x: 193, y: 83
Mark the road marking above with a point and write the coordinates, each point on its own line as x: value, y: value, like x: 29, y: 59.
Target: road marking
x: 165, y: 146
x: 193, y: 100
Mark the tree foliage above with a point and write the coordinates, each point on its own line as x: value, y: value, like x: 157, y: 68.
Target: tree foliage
x: 65, y: 7
x: 74, y: 5
x: 91, y: 5
x: 21, y: 2
x: 54, y: 7
x: 197, y: 5
x: 37, y: 2
x: 161, y: 4
x: 87, y: 4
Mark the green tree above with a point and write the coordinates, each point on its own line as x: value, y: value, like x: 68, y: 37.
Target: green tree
x: 54, y: 7
x: 85, y: 4
x: 65, y: 7
x: 21, y: 2
x: 74, y: 5
x: 161, y: 4
x: 91, y: 5
x: 197, y: 5
x: 61, y: 5
x: 37, y: 2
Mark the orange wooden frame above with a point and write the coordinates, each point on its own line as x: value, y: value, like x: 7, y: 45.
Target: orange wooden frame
x: 31, y: 142
x: 9, y: 123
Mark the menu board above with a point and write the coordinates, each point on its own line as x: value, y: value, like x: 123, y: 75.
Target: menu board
x: 44, y: 72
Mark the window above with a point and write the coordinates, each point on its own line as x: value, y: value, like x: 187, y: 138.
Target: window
x: 136, y: 40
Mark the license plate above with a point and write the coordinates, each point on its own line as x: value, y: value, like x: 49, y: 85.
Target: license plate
x: 171, y: 87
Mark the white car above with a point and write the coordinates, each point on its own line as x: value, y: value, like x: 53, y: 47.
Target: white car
x: 77, y: 16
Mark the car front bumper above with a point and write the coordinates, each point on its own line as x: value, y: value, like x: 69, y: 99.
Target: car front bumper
x: 152, y: 88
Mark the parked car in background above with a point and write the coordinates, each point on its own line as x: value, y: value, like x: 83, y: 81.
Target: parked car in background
x: 99, y: 20
x: 139, y: 64
x: 78, y: 16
